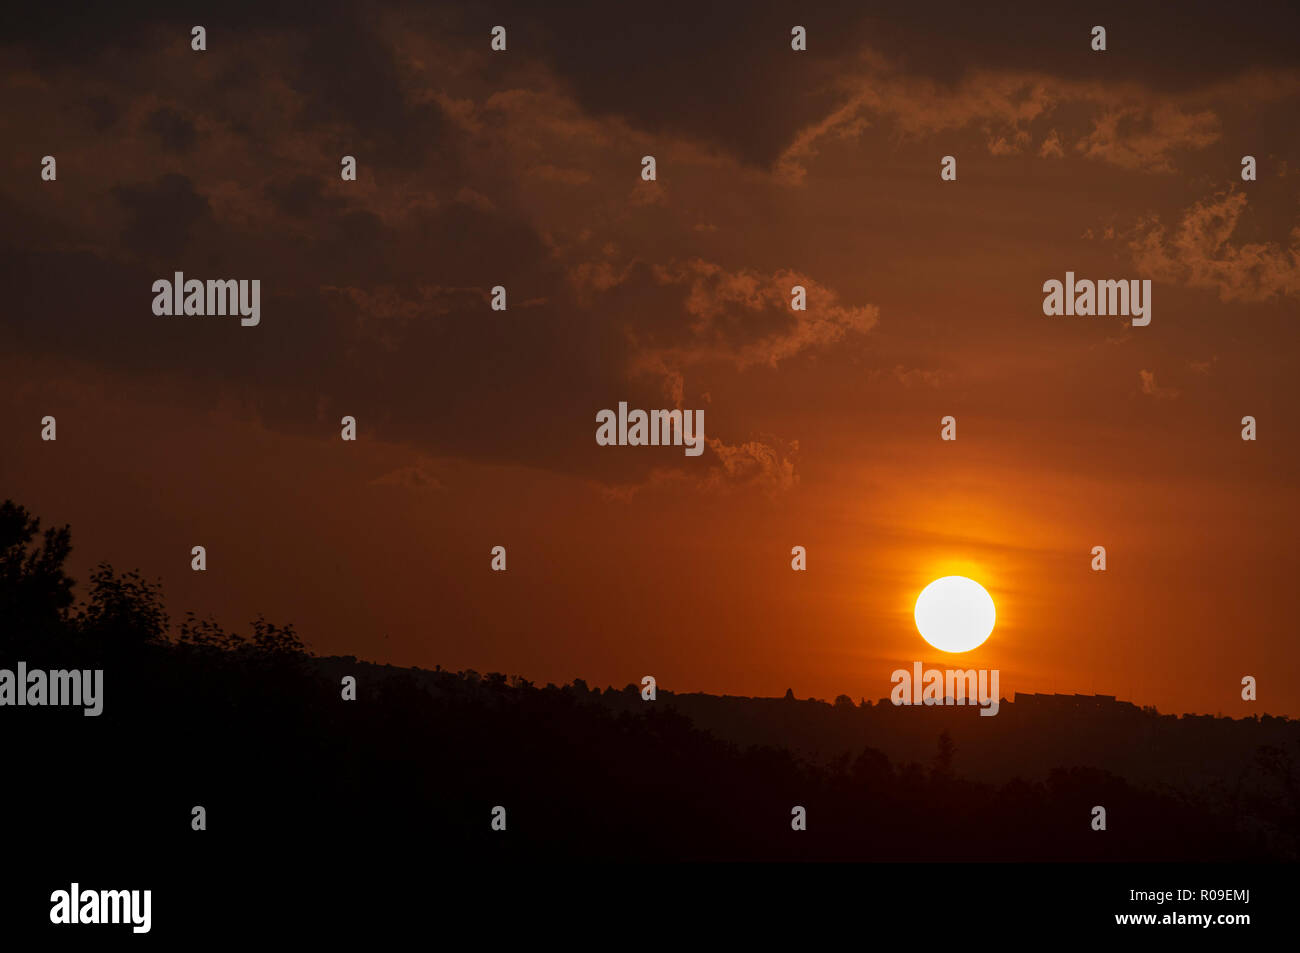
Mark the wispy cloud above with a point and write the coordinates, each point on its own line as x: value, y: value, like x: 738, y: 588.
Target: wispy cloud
x: 1200, y: 253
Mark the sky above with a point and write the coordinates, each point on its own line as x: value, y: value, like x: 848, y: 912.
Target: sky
x: 476, y: 428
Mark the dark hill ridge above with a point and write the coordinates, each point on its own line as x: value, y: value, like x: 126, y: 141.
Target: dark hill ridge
x: 261, y: 737
x: 1243, y: 769
x: 1031, y: 735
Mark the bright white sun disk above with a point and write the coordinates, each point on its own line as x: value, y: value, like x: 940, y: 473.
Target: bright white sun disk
x: 955, y: 614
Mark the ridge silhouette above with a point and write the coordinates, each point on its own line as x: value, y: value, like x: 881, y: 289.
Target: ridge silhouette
x: 252, y: 727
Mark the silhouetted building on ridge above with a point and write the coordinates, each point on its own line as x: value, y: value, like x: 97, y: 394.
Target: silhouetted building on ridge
x: 1066, y: 701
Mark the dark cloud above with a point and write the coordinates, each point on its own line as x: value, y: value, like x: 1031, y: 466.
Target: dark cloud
x: 174, y: 131
x: 374, y: 294
x: 349, y: 75
x: 1197, y: 43
x: 415, y: 353
x: 301, y: 196
x: 74, y: 33
x: 163, y: 215
x: 103, y: 113
x: 722, y: 73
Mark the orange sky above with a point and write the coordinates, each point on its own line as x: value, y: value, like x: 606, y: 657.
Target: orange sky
x: 477, y: 427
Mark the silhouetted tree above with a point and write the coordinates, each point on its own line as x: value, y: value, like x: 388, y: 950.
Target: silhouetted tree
x: 122, y: 611
x: 35, y: 592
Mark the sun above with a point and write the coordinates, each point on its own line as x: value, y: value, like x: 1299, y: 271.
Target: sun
x: 955, y: 614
